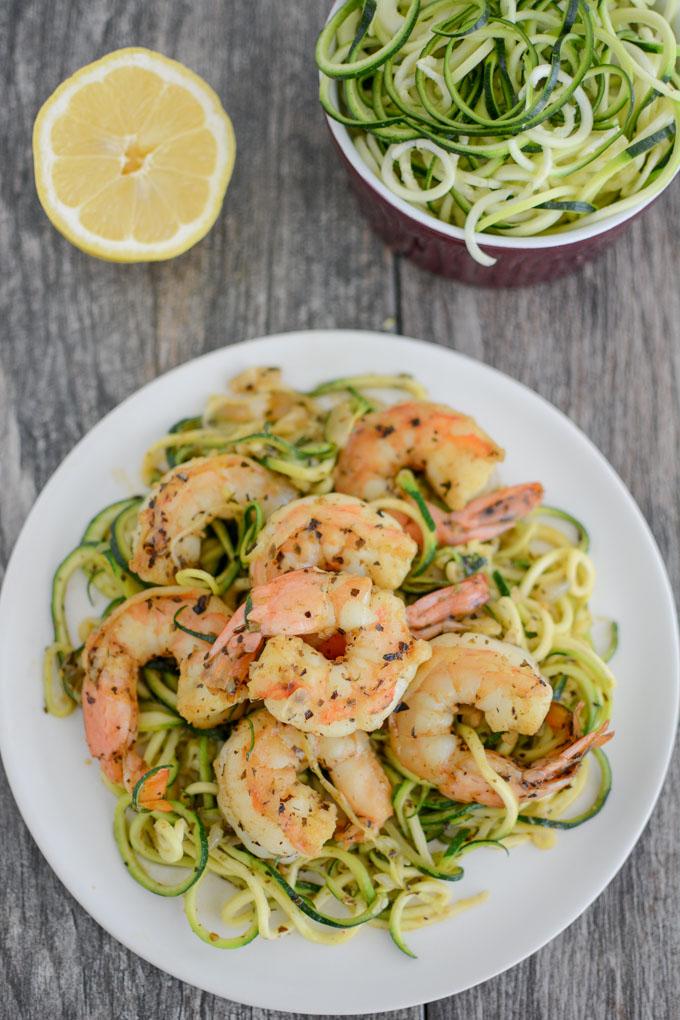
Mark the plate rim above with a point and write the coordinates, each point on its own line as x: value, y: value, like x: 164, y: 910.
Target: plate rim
x: 328, y: 335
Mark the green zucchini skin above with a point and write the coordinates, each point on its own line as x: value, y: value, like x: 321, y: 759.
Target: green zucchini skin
x: 307, y: 908
x: 99, y: 527
x: 137, y: 870
x: 562, y: 515
x: 407, y: 482
x: 394, y: 928
x: 594, y: 809
x: 354, y: 68
x: 500, y: 583
x: 121, y: 527
x: 160, y: 690
x: 265, y: 867
x: 86, y: 556
x: 177, y: 455
x: 211, y: 937
x: 209, y: 638
x: 139, y: 785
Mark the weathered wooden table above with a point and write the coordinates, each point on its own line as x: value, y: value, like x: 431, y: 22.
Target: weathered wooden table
x: 289, y: 252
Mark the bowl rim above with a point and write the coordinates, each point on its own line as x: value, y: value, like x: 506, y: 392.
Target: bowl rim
x: 452, y: 233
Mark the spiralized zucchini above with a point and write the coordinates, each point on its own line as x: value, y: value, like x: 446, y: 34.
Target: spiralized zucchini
x: 405, y: 876
x: 510, y: 117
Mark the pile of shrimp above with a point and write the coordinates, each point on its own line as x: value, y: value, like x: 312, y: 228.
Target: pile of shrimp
x: 337, y: 656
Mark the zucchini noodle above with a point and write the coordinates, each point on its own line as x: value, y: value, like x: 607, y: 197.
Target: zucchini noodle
x: 511, y: 118
x: 502, y: 788
x: 401, y: 877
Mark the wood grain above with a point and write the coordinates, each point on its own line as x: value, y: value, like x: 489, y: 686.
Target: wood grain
x: 78, y: 335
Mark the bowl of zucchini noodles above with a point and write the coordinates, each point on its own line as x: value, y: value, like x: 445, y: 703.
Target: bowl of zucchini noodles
x: 498, y: 142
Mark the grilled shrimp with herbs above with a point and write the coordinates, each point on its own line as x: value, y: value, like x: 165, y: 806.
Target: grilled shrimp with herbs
x: 483, y: 680
x: 334, y: 532
x: 141, y: 629
x: 174, y: 515
x: 276, y: 814
x: 299, y: 684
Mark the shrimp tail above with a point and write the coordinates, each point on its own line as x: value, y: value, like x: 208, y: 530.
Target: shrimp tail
x: 429, y: 615
x: 127, y: 768
x: 487, y: 516
x: 153, y: 795
x: 239, y: 646
x: 564, y: 759
x: 545, y: 777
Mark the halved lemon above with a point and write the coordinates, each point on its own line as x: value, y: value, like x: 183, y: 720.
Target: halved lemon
x: 133, y: 155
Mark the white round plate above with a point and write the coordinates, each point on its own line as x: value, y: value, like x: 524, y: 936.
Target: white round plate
x: 69, y: 811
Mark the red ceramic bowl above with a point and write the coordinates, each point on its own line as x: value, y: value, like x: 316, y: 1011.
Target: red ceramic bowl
x: 441, y: 248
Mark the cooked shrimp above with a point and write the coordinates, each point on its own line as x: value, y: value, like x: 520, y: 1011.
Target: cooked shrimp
x: 298, y: 684
x: 306, y: 601
x: 505, y: 684
x: 441, y: 610
x: 334, y: 532
x: 274, y: 813
x: 356, y: 771
x: 259, y: 396
x: 488, y: 515
x: 143, y: 628
x: 260, y: 795
x: 455, y: 454
x: 179, y: 507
